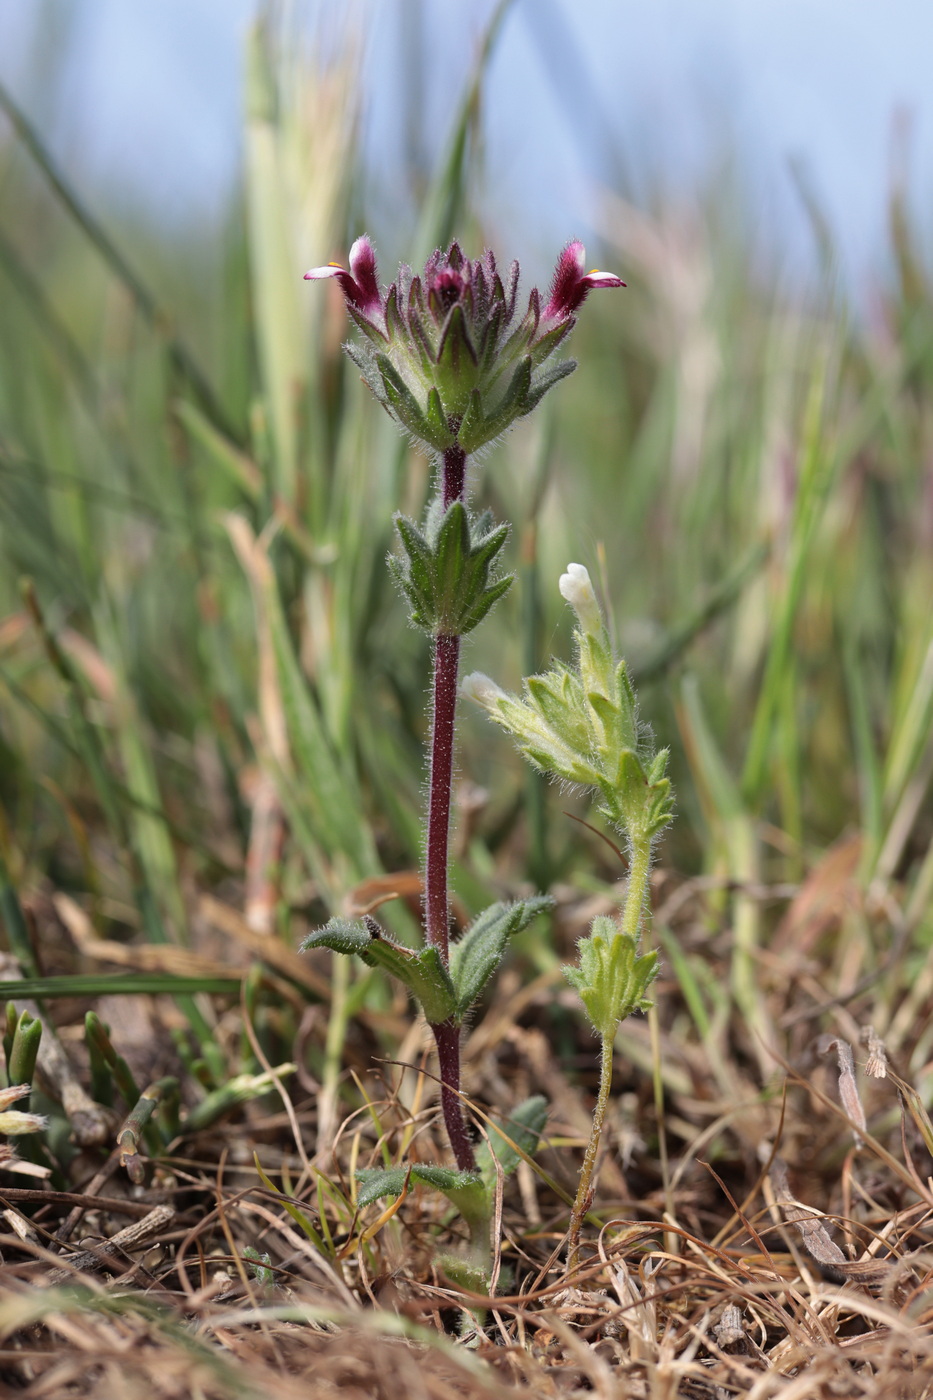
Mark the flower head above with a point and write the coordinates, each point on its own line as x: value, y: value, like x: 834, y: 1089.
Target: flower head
x: 443, y: 351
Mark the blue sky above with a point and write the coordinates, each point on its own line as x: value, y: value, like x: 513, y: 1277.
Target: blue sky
x: 148, y: 106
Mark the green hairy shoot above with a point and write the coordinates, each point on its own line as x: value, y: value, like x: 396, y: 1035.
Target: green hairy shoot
x: 580, y: 724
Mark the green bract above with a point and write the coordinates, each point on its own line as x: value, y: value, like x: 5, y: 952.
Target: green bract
x: 612, y: 978
x: 444, y: 573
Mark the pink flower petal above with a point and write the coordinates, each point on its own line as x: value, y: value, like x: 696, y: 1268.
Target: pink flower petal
x: 363, y: 268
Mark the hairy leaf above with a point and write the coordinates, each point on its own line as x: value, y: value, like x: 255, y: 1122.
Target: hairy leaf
x: 475, y: 956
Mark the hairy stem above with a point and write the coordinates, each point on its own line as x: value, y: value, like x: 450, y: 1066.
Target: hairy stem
x: 443, y: 715
x: 436, y: 903
x: 447, y: 1039
x: 436, y: 897
x: 453, y: 481
x: 585, y: 1188
x: 639, y: 871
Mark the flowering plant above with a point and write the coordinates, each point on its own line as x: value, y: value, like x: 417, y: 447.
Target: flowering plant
x: 448, y: 357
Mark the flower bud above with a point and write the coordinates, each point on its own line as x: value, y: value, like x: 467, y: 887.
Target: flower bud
x: 577, y: 590
x: 484, y: 691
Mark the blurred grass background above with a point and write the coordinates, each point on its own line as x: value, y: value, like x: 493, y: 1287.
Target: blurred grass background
x: 208, y: 684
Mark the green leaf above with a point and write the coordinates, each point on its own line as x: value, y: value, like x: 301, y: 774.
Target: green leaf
x: 416, y: 573
x: 455, y: 372
x: 472, y: 427
x: 548, y: 343
x: 490, y: 596
x: 419, y: 602
x: 366, y: 327
x: 510, y: 406
x: 547, y: 381
x: 558, y: 699
x: 489, y: 345
x: 452, y: 553
x: 475, y: 956
x: 465, y: 1189
x: 487, y: 541
x: 512, y: 1139
x: 365, y: 361
x: 658, y: 766
x: 437, y: 421
x: 395, y: 326
x: 348, y: 936
x: 405, y: 406
x: 416, y: 544
x: 422, y: 972
x: 610, y: 717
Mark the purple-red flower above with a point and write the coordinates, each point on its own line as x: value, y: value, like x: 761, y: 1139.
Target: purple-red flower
x: 571, y: 285
x: 443, y: 353
x: 360, y: 285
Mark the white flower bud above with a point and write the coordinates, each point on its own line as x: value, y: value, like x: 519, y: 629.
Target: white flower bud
x: 484, y: 691
x: 576, y: 588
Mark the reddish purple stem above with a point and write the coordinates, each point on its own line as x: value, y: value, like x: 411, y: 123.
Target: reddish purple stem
x: 436, y: 907
x: 447, y: 1040
x: 454, y: 480
x: 436, y: 898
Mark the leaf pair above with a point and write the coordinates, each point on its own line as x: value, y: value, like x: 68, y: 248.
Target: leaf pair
x: 443, y: 996
x: 471, y: 1192
x: 445, y: 570
x: 612, y: 978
